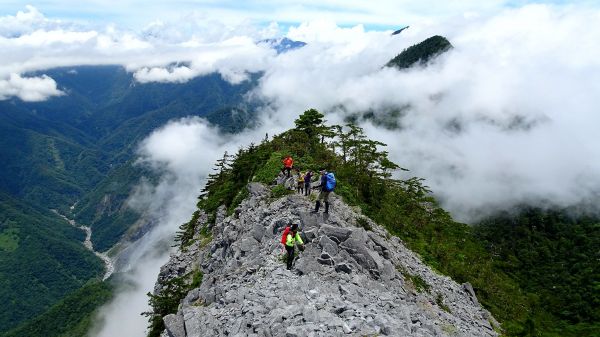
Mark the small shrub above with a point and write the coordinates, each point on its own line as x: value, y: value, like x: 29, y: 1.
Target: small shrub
x: 280, y: 191
x: 419, y: 283
x: 205, y: 237
x: 450, y: 329
x: 270, y: 170
x: 364, y: 223
x: 439, y: 300
x: 242, y: 194
x: 415, y: 280
x: 196, y: 279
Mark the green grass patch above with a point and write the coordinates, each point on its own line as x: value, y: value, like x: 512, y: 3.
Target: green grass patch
x: 416, y: 281
x: 280, y: 191
x: 268, y: 173
x: 364, y: 223
x: 439, y: 300
x: 9, y: 240
x: 196, y: 279
x: 205, y: 236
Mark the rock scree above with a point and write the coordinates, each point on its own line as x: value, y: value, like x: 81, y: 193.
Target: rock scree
x: 349, y: 281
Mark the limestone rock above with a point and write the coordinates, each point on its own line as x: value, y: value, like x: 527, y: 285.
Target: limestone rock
x: 174, y: 325
x: 345, y: 283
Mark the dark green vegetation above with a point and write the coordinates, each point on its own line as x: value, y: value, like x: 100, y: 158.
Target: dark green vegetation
x: 421, y: 53
x: 71, y: 316
x: 554, y: 255
x: 80, y: 147
x: 556, y: 297
x: 168, y: 300
x: 41, y: 260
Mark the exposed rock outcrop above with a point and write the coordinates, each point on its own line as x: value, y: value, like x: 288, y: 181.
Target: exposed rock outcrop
x: 348, y: 281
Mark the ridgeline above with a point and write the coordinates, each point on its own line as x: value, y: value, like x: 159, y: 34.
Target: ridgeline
x: 371, y: 198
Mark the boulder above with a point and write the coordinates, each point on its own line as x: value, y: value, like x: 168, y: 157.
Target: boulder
x: 174, y: 325
x: 338, y: 234
x: 345, y: 282
x: 329, y: 246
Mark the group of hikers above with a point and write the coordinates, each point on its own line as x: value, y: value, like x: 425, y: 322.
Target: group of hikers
x: 326, y: 185
x: 304, y: 181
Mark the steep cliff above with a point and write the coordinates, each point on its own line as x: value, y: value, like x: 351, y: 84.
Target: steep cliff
x: 352, y: 279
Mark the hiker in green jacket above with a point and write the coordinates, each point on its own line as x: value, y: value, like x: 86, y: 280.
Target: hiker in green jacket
x: 293, y: 237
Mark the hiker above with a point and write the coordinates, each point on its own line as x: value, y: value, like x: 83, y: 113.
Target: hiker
x: 288, y: 163
x: 307, y: 182
x: 300, y: 182
x: 327, y: 185
x: 292, y: 238
x: 286, y: 231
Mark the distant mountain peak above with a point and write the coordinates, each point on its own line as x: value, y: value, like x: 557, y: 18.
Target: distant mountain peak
x: 396, y: 32
x: 421, y: 53
x: 282, y: 44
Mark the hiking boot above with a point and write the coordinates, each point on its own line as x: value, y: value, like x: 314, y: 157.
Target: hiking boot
x: 317, y: 206
x: 326, y: 207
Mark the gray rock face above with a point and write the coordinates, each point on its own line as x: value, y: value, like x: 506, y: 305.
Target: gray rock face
x: 347, y: 281
x: 175, y: 326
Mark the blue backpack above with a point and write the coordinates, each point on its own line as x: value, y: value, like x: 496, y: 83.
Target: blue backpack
x: 330, y: 185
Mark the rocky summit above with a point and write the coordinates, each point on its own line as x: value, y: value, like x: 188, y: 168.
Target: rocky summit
x: 352, y: 279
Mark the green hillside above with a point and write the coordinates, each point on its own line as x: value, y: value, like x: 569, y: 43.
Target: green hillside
x: 421, y: 53
x: 80, y: 147
x: 41, y: 260
x: 536, y: 282
x: 72, y: 316
x: 553, y: 255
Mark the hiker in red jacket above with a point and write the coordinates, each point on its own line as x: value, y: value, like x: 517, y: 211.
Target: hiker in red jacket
x: 288, y: 163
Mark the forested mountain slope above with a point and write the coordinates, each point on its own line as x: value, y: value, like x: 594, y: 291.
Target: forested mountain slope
x: 80, y: 147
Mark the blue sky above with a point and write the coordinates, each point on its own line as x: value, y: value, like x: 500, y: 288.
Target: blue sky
x: 380, y: 15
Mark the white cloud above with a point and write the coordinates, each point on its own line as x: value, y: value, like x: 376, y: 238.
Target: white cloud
x: 29, y: 89
x: 183, y: 152
x: 523, y: 65
x: 233, y: 58
x: 32, y: 42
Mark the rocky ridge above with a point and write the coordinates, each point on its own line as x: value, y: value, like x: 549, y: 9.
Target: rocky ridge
x: 353, y: 279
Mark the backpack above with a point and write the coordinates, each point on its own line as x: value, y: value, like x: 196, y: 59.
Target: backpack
x: 330, y: 184
x: 286, y: 231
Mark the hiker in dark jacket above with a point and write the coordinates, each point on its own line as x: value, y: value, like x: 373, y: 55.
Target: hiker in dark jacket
x: 293, y: 237
x: 307, y: 182
x: 325, y: 191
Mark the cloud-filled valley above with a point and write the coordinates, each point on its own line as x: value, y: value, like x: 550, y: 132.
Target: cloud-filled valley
x: 508, y: 116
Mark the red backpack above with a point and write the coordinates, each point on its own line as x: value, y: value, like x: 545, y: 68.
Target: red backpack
x: 286, y: 231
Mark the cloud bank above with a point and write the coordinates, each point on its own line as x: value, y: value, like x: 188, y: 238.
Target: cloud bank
x: 161, y: 52
x: 29, y: 89
x: 508, y: 116
x: 183, y: 152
